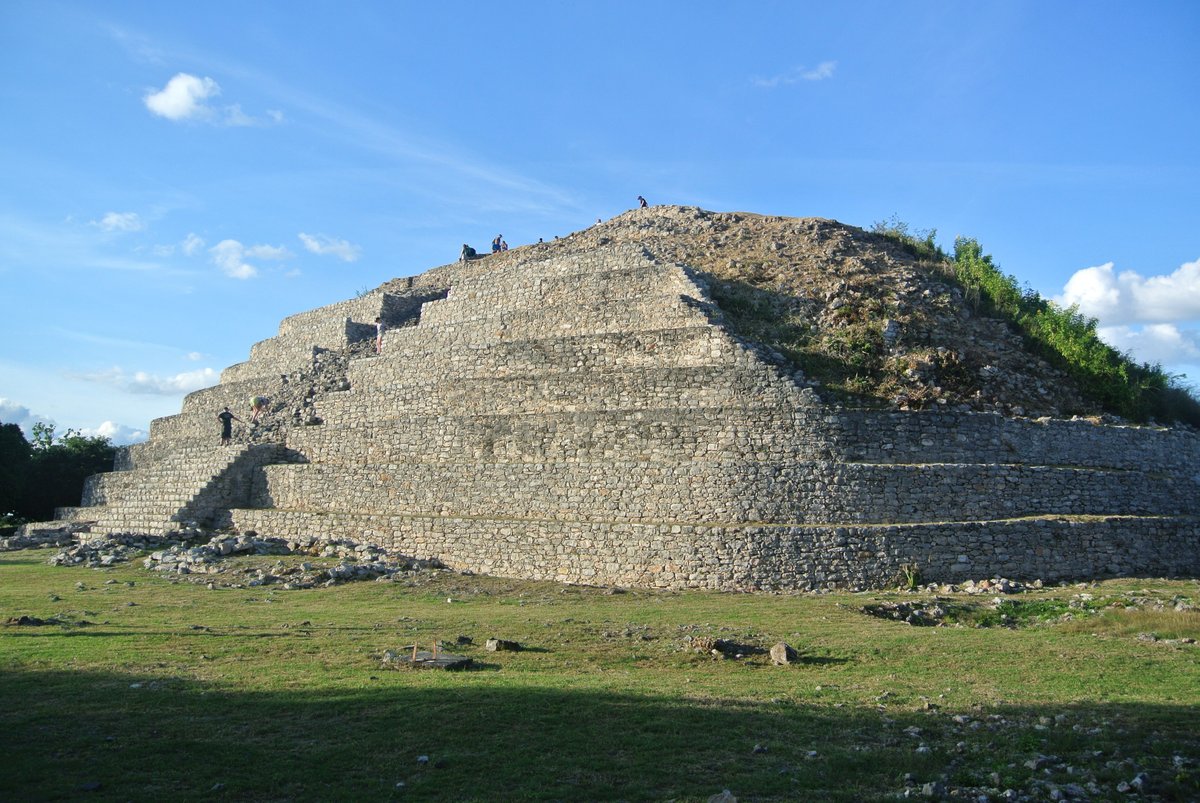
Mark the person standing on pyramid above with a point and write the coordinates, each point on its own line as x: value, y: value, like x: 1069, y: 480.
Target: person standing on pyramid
x: 379, y: 335
x: 496, y: 243
x: 226, y: 418
x: 642, y: 202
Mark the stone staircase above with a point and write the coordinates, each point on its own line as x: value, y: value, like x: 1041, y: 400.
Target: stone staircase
x: 581, y: 414
x: 193, y: 484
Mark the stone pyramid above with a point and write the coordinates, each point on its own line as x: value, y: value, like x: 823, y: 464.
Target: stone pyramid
x: 578, y: 411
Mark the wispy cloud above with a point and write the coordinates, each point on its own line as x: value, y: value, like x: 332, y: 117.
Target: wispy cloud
x: 431, y: 163
x: 230, y: 256
x: 143, y: 382
x: 322, y: 245
x: 191, y: 244
x: 797, y: 75
x: 120, y: 221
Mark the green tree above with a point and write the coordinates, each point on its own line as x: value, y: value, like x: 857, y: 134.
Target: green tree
x: 58, y: 468
x: 15, y: 453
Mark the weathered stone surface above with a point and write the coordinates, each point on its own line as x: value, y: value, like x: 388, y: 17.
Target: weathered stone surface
x: 501, y: 645
x: 578, y: 411
x: 783, y: 654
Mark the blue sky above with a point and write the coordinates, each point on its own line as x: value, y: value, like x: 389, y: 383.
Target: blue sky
x: 178, y: 177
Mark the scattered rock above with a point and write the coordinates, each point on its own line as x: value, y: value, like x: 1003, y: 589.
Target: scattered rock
x: 921, y: 614
x: 196, y: 556
x: 782, y: 654
x: 501, y: 645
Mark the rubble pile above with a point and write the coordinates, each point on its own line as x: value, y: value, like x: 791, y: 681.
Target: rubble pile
x: 185, y: 555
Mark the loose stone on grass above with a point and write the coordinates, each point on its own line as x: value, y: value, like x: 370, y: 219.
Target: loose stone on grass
x: 501, y: 645
x: 197, y: 556
x: 783, y: 654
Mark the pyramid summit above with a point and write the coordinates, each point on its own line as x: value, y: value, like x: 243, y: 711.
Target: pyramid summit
x: 599, y: 409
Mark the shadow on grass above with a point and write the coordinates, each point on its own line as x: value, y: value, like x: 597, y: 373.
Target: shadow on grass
x: 132, y: 737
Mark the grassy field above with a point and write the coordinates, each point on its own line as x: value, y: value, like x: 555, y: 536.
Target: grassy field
x: 137, y: 688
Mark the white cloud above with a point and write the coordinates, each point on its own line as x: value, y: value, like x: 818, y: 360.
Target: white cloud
x: 119, y: 434
x: 143, y: 382
x: 229, y: 256
x: 195, y: 356
x: 797, y: 75
x: 268, y: 252
x: 120, y: 221
x: 1162, y: 343
x: 320, y: 244
x: 22, y: 416
x: 1117, y: 299
x: 192, y: 244
x: 183, y: 98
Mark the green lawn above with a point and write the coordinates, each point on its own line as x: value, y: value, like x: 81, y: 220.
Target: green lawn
x: 144, y: 689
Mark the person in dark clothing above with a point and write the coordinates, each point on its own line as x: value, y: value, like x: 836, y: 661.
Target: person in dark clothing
x: 226, y: 418
x: 496, y: 243
x: 642, y: 202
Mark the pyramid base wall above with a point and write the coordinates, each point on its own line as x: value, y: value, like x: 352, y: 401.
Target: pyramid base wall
x: 764, y: 558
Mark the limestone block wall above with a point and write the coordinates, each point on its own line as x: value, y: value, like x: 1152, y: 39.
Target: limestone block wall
x: 739, y: 491
x: 980, y: 437
x: 767, y: 434
x: 767, y: 558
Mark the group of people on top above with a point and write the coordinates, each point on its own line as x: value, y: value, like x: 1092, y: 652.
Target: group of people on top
x: 499, y: 245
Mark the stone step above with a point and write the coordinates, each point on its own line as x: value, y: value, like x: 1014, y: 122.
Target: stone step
x: 429, y: 351
x: 623, y: 285
x: 762, y: 558
x: 651, y: 388
x: 713, y: 490
x: 473, y: 326
x: 548, y: 261
x: 189, y: 485
x: 947, y: 436
x: 763, y: 433
x: 186, y: 448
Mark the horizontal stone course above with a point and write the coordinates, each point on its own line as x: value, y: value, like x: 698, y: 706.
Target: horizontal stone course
x: 652, y: 388
x: 641, y: 281
x: 651, y: 434
x: 760, y: 558
x: 716, y: 490
x: 429, y: 351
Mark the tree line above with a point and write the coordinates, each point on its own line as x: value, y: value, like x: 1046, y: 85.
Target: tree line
x: 48, y: 472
